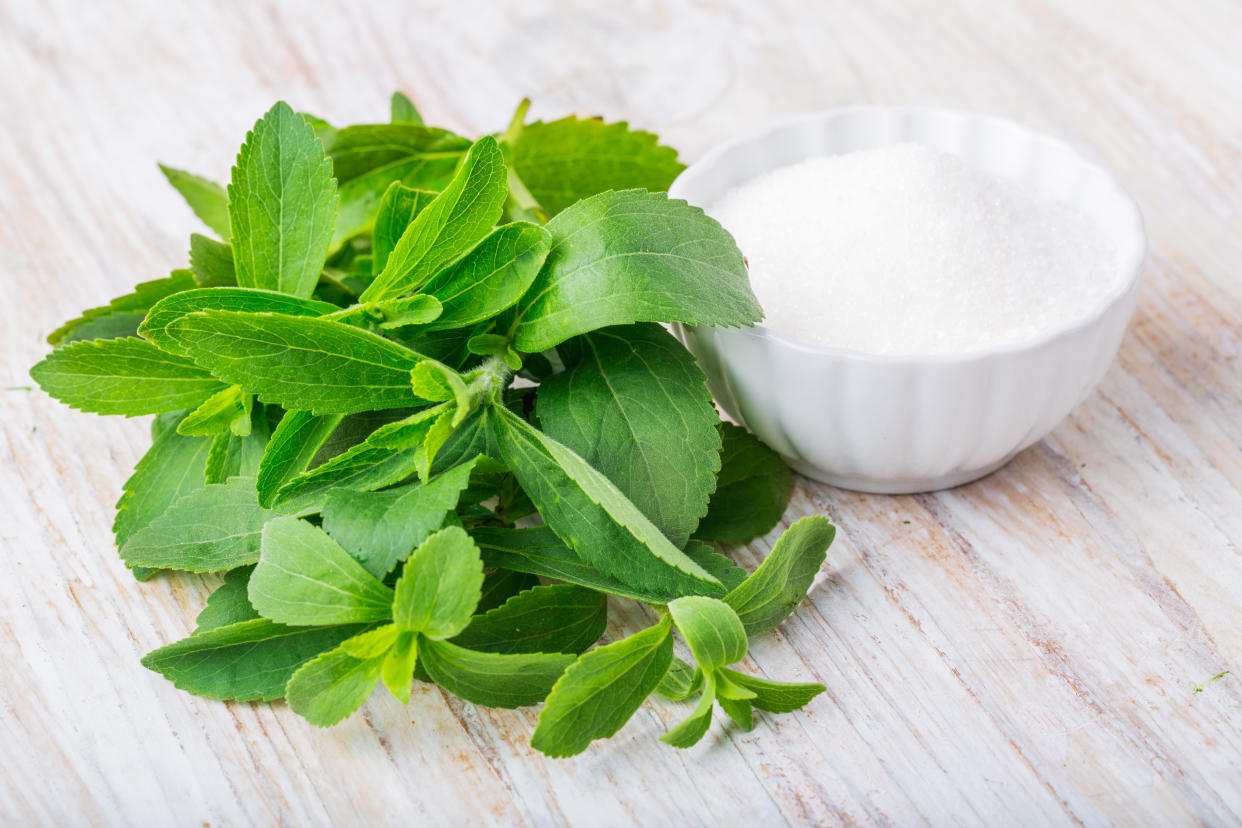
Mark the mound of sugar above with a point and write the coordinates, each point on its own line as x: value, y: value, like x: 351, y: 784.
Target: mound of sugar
x: 905, y: 250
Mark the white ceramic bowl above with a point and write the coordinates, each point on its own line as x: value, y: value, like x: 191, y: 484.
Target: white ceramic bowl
x: 896, y: 424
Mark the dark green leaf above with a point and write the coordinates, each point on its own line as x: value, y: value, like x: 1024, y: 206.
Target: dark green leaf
x: 296, y: 440
x: 211, y: 262
x: 222, y: 298
x: 751, y: 492
x: 560, y: 618
x: 722, y: 567
x: 399, y: 206
x: 775, y: 589
x: 500, y: 585
x: 99, y: 323
x: 228, y: 603
x: 173, y: 467
x: 492, y: 679
x: 206, y: 198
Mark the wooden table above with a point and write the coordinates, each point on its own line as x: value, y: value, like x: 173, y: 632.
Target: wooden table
x: 1039, y: 647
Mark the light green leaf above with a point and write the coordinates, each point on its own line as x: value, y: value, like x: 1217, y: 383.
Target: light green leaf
x: 418, y: 309
x: 775, y: 589
x: 212, y: 528
x: 329, y: 687
x: 404, y: 111
x: 752, y: 490
x: 398, y: 670
x: 591, y: 515
x: 775, y: 696
x: 691, y: 731
x: 211, y: 262
x: 224, y: 412
x: 249, y: 300
x: 228, y: 603
x: 123, y: 376
x: 206, y: 198
x: 173, y: 467
x: 305, y: 577
x: 633, y: 256
x: 740, y: 711
x: 399, y: 206
x: 440, y: 586
x: 491, y: 277
x: 492, y: 679
x: 94, y: 323
x: 680, y: 682
x: 296, y: 440
x: 449, y: 226
x: 558, y: 618
x: 564, y: 161
x: 372, y: 643
x: 302, y: 363
x: 282, y: 205
x: 602, y: 690
x: 382, y: 528
x: 250, y: 660
x: 711, y: 628
x: 233, y: 456
x: 633, y: 403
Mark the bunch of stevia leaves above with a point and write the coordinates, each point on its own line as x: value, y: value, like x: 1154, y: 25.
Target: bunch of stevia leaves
x: 342, y: 430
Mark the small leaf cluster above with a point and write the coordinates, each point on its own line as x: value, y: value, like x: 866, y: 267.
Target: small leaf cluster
x: 416, y: 405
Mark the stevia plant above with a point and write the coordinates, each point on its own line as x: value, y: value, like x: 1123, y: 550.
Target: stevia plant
x: 414, y: 403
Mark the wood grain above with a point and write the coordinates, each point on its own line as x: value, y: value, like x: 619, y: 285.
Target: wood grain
x: 1033, y: 648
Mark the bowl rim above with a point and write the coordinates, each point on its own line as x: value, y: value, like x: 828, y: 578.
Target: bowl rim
x: 1132, y: 270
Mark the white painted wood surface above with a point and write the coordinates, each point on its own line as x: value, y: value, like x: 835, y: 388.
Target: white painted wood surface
x: 1027, y: 649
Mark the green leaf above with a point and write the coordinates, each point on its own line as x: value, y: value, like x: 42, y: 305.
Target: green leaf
x: 228, y: 603
x: 449, y: 226
x: 751, y: 492
x: 122, y: 376
x: 499, y: 585
x: 368, y: 158
x: 691, y: 731
x: 680, y: 682
x: 559, y: 618
x: 740, y: 711
x: 398, y: 670
x: 372, y: 643
x: 212, y: 528
x: 491, y: 277
x: 211, y: 262
x: 591, y: 515
x: 329, y: 687
x: 571, y: 159
x: 634, y: 404
x: 633, y: 256
x: 308, y: 364
x: 399, y: 206
x: 440, y: 586
x: 233, y: 456
x: 95, y: 323
x: 296, y: 440
x: 492, y: 679
x: 538, y: 551
x: 382, y: 528
x: 250, y: 660
x: 305, y: 577
x: 775, y: 589
x: 173, y: 467
x: 720, y: 566
x: 602, y: 690
x: 711, y: 628
x: 224, y: 412
x: 206, y: 198
x: 282, y: 205
x: 404, y: 111
x: 167, y: 311
x: 776, y: 696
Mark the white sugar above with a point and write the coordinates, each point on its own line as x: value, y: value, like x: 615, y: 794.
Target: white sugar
x: 905, y: 250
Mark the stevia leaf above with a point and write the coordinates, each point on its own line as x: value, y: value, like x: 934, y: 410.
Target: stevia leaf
x: 418, y: 309
x: 173, y: 467
x: 711, y: 628
x: 447, y: 227
x: 633, y: 403
x: 538, y: 551
x: 680, y: 682
x: 399, y: 663
x: 248, y: 660
x: 741, y: 711
x: 206, y: 198
x: 303, y: 363
x: 224, y: 412
x: 692, y: 730
x: 233, y: 456
x: 776, y: 696
x: 499, y: 585
x: 564, y: 161
x: 558, y: 618
x: 602, y: 690
x: 213, y: 528
x: 102, y: 322
x: 399, y: 206
x: 368, y: 158
x: 296, y: 440
x: 634, y: 256
x: 250, y: 300
x: 440, y: 586
x: 282, y: 205
x: 305, y: 577
x: 382, y: 528
x: 775, y: 589
x: 720, y: 566
x: 491, y: 277
x: 591, y: 515
x: 372, y: 643
x: 752, y: 490
x: 123, y: 376
x: 330, y: 686
x: 228, y: 603
x: 404, y: 111
x: 211, y: 262
x: 492, y: 679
